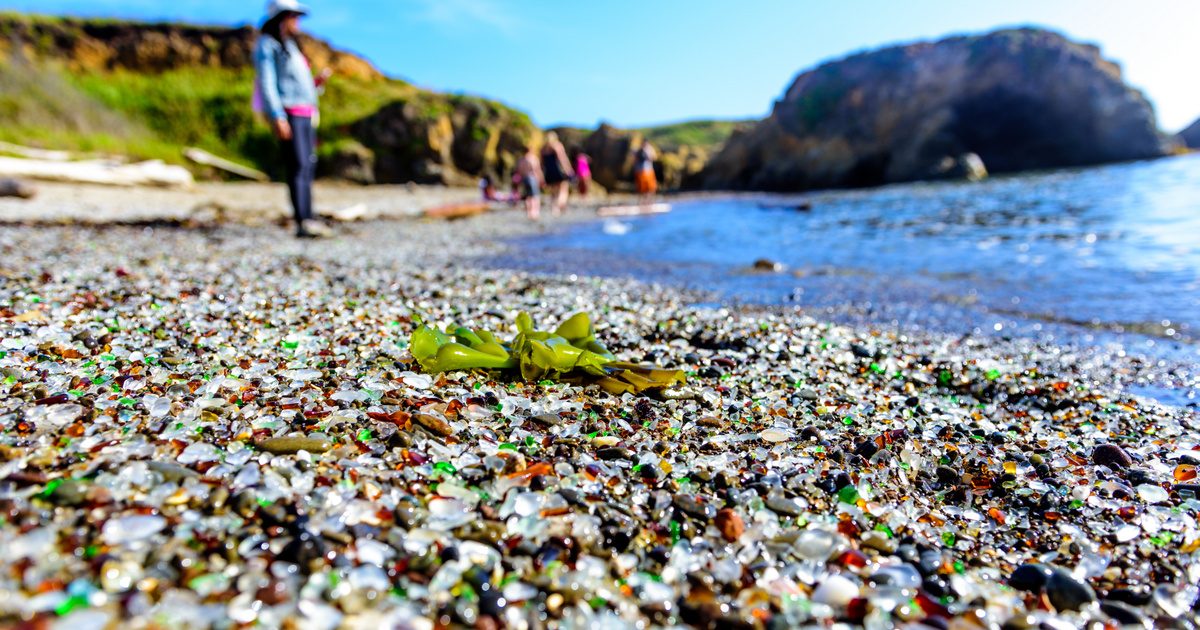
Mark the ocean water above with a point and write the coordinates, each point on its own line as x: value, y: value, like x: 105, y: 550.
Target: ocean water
x: 1099, y: 255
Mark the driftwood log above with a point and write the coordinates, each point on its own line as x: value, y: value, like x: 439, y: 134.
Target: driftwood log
x: 204, y: 158
x: 152, y: 173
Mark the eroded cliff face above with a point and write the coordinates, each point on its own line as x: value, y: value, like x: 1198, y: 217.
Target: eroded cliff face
x: 102, y: 46
x: 451, y: 140
x: 1020, y: 99
x: 376, y: 129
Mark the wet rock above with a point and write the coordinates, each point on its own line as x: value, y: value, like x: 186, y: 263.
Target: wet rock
x: 1124, y: 614
x: 947, y: 475
x: 1133, y: 595
x: 1030, y: 578
x: 815, y: 136
x: 767, y: 266
x: 612, y: 453
x: 1067, y: 593
x: 16, y: 188
x: 1112, y: 456
x: 968, y: 166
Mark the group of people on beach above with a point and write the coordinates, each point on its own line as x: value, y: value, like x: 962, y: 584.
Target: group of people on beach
x: 552, y: 170
x: 286, y: 94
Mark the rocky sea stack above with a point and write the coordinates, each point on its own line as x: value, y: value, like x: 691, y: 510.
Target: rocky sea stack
x: 1190, y: 137
x: 1020, y: 99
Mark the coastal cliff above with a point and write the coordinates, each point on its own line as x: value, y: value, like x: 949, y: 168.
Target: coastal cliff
x: 147, y: 89
x: 1019, y: 99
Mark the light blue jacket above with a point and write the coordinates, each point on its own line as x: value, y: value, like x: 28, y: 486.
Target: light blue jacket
x: 284, y: 78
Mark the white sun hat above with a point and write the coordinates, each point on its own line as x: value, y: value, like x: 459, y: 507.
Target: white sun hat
x: 275, y: 7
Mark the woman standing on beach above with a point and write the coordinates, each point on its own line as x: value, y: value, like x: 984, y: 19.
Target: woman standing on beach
x: 643, y: 172
x: 288, y: 96
x: 529, y: 173
x: 558, y: 172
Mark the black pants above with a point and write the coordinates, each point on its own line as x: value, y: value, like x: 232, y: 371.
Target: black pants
x: 300, y: 155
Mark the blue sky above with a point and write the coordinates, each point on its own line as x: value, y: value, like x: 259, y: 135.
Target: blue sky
x: 635, y: 62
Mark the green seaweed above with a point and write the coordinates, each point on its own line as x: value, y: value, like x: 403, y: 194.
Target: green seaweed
x: 570, y: 354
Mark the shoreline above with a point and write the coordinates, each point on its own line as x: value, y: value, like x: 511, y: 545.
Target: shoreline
x: 228, y: 389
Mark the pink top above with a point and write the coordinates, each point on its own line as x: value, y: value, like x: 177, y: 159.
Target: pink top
x: 583, y: 169
x: 304, y: 111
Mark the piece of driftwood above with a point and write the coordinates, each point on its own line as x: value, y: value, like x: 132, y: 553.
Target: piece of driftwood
x: 204, y: 158
x: 35, y: 154
x: 152, y: 173
x: 350, y: 214
x: 457, y: 211
x: 16, y: 188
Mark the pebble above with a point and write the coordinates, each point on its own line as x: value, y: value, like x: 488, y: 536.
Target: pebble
x: 1174, y: 601
x: 879, y: 541
x: 947, y: 475
x: 1067, y: 593
x: 606, y: 440
x: 128, y: 529
x: 766, y: 265
x: 293, y: 445
x: 1030, y: 578
x: 199, y: 452
x: 614, y: 453
x: 775, y: 436
x: 694, y: 507
x: 730, y: 524
x: 69, y: 493
x: 547, y: 419
x: 171, y: 472
x: 1124, y: 614
x: 784, y: 506
x: 434, y: 424
x: 817, y: 544
x: 836, y: 591
x: 1112, y: 456
x: 1151, y: 493
x: 898, y: 575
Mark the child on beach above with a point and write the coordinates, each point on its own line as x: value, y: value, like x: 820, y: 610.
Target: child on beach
x: 488, y: 189
x: 583, y: 174
x: 529, y: 171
